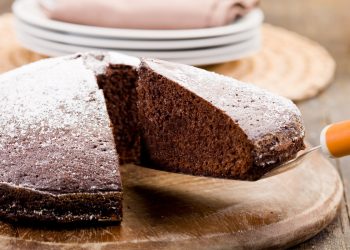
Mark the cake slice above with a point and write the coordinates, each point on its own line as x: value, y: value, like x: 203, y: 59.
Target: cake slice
x: 201, y: 123
x: 58, y: 159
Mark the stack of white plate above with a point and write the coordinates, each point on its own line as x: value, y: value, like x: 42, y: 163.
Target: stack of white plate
x: 192, y: 46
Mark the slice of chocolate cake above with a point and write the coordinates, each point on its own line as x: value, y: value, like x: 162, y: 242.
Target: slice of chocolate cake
x: 202, y: 123
x: 57, y: 152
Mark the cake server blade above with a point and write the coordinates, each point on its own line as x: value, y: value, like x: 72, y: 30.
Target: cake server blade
x: 334, y: 142
x: 291, y: 163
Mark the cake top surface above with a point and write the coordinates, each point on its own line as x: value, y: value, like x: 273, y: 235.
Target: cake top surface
x: 257, y: 111
x: 55, y: 132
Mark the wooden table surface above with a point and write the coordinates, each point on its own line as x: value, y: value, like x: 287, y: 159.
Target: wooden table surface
x: 327, y: 22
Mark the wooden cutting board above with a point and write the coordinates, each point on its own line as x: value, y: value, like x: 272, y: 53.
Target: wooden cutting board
x: 173, y: 211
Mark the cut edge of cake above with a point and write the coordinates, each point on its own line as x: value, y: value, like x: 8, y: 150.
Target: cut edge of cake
x: 271, y: 123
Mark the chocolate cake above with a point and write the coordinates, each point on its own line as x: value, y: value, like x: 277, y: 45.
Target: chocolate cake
x: 201, y: 123
x: 57, y: 151
x: 119, y: 88
x: 64, y: 121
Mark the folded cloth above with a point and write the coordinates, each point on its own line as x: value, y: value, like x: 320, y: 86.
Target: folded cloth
x: 148, y: 14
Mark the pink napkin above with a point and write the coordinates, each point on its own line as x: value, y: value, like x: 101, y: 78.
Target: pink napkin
x: 148, y: 14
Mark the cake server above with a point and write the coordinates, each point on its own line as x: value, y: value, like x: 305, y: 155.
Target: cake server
x: 334, y: 142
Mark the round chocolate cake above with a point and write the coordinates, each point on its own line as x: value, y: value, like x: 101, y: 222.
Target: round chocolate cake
x: 65, y: 121
x: 57, y: 150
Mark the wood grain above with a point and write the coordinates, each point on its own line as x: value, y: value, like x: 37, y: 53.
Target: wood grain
x: 174, y: 211
x: 324, y: 21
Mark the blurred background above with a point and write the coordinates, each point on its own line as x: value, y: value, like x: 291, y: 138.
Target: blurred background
x: 327, y: 23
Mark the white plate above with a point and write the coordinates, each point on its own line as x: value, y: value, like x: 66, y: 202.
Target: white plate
x: 27, y: 40
x: 29, y: 11
x: 100, y: 42
x: 205, y: 60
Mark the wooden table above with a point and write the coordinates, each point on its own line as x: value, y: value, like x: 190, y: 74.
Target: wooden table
x: 325, y: 21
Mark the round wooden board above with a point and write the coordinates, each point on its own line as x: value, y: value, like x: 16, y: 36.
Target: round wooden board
x: 173, y: 211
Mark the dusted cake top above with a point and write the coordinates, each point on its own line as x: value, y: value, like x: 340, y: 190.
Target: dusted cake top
x: 55, y: 130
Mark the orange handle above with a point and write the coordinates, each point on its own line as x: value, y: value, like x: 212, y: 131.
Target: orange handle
x: 335, y: 139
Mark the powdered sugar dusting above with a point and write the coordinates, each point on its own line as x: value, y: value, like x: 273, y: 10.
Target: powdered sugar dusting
x: 54, y: 127
x: 257, y: 111
x: 97, y: 62
x: 272, y: 123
